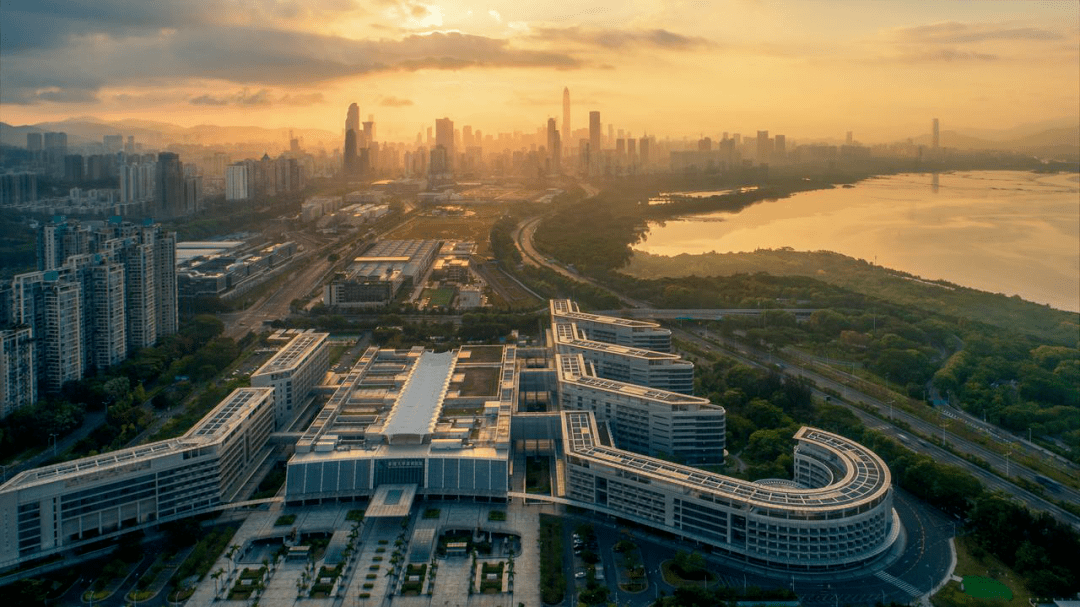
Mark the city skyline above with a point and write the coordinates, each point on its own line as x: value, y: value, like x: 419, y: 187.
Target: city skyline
x: 810, y: 69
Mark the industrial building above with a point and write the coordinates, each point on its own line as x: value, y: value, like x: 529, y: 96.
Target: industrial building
x: 375, y: 278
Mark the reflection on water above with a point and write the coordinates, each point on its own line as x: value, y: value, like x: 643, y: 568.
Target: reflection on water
x: 1002, y: 231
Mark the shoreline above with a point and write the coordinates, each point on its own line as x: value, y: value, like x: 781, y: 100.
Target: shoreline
x: 911, y: 244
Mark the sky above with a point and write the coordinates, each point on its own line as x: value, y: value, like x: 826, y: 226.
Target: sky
x: 806, y: 68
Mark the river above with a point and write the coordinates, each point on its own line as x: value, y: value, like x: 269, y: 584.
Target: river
x: 1009, y: 232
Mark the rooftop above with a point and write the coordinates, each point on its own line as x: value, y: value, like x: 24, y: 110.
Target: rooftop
x: 569, y: 309
x: 292, y: 354
x: 866, y: 475
x: 421, y: 399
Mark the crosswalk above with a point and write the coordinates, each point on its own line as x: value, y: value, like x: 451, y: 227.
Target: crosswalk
x: 901, y: 584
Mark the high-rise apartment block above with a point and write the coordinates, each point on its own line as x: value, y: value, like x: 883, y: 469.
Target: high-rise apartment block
x: 236, y: 182
x: 566, y: 117
x: 594, y: 139
x: 100, y: 294
x: 935, y: 134
x: 18, y: 188
x: 169, y: 186
x: 444, y: 136
x: 18, y: 382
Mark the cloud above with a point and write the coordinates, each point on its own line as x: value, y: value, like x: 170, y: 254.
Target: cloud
x: 953, y: 32
x: 610, y: 38
x: 208, y: 100
x: 302, y: 99
x: 392, y: 101
x: 261, y: 97
x: 945, y: 55
x: 240, y: 98
x: 260, y: 58
x: 495, y: 15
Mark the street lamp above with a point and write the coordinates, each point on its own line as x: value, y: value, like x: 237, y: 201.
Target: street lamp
x: 52, y: 439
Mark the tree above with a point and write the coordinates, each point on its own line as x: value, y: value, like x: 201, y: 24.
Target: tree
x: 688, y: 564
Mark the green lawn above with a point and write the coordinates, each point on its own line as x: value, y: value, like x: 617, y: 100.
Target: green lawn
x: 986, y: 588
x: 440, y: 297
x: 987, y: 572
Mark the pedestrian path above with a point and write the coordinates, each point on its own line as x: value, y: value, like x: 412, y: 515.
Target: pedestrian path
x: 901, y: 584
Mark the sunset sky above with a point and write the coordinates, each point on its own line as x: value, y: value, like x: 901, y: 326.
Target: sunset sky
x: 806, y: 68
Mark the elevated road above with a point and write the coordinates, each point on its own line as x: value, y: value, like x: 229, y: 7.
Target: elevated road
x: 703, y: 314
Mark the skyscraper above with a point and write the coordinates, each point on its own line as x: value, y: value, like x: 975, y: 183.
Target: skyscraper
x: 762, y: 147
x: 553, y: 148
x: 936, y: 134
x: 566, y: 113
x: 352, y: 133
x: 594, y: 139
x: 169, y: 185
x: 350, y: 152
x: 444, y: 136
x: 352, y: 118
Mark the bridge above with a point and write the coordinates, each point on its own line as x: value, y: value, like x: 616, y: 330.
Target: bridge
x: 703, y: 314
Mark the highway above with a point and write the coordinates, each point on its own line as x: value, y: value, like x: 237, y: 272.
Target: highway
x: 849, y: 396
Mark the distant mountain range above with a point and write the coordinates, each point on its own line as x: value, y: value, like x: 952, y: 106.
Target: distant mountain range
x: 89, y: 130
x: 1053, y: 142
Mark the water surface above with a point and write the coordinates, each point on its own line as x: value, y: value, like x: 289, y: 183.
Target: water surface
x: 1009, y: 232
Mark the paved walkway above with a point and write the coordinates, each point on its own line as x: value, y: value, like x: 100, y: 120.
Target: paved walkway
x: 451, y: 586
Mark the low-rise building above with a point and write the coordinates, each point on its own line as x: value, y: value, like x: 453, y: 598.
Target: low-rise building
x: 64, y: 506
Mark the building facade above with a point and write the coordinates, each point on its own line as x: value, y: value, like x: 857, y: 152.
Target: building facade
x: 292, y: 373
x: 837, y: 514
x: 64, y: 506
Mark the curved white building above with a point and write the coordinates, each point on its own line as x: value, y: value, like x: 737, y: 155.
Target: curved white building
x: 836, y: 514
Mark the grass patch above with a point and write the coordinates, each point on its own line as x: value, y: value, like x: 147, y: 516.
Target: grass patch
x: 285, y: 519
x: 497, y: 515
x: 552, y: 580
x: 986, y: 588
x: 440, y: 297
x: 431, y: 513
x: 478, y: 381
x: 972, y: 561
x: 355, y: 515
x: 673, y: 578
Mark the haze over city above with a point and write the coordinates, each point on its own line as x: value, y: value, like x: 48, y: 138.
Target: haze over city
x: 810, y: 69
x: 623, y: 304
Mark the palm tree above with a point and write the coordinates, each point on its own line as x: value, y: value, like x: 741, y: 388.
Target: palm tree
x: 216, y: 575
